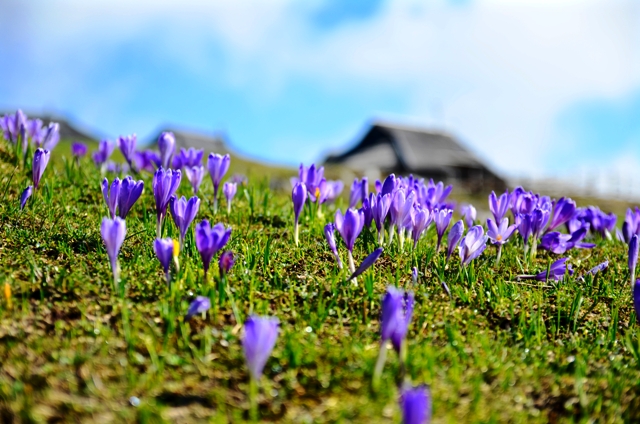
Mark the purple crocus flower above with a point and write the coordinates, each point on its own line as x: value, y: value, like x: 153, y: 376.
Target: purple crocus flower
x: 499, y: 234
x: 147, y: 160
x: 389, y: 185
x: 633, y: 257
x: 79, y: 150
x: 167, y: 145
x: 183, y: 212
x: 334, y: 189
x: 105, y: 148
x: 596, y: 269
x: 260, y: 335
x: 379, y: 212
x: 229, y: 190
x: 349, y: 226
x: 164, y: 252
x: 421, y: 220
x: 415, y: 404
x: 472, y: 245
x: 35, y: 131
x: 40, y: 161
x: 556, y: 272
x: 636, y: 299
x: 51, y: 136
x: 524, y: 227
x: 562, y: 212
x: 359, y: 191
x: 414, y: 275
x: 225, y: 262
x: 194, y: 175
x: 130, y: 191
x: 469, y: 214
x: 499, y: 205
x: 111, y: 195
x: 209, y: 240
x: 218, y: 166
x: 560, y: 243
x: 299, y: 197
x: 25, y: 196
x: 367, y: 263
x: 190, y: 157
x: 127, y: 146
x: 113, y: 233
x: 455, y: 234
x: 313, y: 179
x: 165, y: 184
x: 442, y: 218
x: 200, y: 305
x: 397, y: 308
x: 329, y: 234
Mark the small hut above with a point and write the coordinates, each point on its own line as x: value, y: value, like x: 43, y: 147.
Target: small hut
x: 389, y: 148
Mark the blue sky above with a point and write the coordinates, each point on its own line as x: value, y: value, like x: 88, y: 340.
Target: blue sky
x: 535, y: 87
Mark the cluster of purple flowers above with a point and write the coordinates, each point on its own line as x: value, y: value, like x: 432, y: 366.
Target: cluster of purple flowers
x: 25, y: 133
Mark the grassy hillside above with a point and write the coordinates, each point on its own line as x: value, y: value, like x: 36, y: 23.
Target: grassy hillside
x: 498, y: 350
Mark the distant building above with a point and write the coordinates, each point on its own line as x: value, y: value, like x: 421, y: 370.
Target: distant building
x: 185, y: 139
x: 388, y: 148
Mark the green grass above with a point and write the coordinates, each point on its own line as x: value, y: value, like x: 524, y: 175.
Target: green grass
x: 74, y: 350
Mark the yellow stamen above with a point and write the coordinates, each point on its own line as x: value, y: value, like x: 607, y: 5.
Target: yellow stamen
x: 176, y: 248
x: 317, y: 192
x: 499, y: 237
x: 7, y: 294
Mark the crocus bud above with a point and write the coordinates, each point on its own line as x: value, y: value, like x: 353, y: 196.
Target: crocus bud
x: 455, y: 234
x: 167, y: 145
x: 164, y: 252
x: 329, y: 234
x: 299, y: 197
x: 260, y: 334
x: 25, y: 196
x: 40, y: 161
x: 218, y: 166
x: 633, y: 257
x: 416, y: 405
x: 472, y: 245
x: 200, y: 305
x: 367, y: 263
x: 397, y: 308
x: 209, y: 240
x: 113, y: 233
x: 225, y: 263
x: 79, y: 150
x: 229, y: 190
x: 194, y: 175
x: 127, y: 146
x: 183, y: 212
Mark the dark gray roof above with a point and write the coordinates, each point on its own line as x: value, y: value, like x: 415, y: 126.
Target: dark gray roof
x: 388, y: 146
x: 207, y: 142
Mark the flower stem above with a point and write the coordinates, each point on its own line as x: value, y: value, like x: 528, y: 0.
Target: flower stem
x: 253, y: 399
x: 377, y: 372
x: 352, y: 268
x: 295, y: 233
x: 499, y: 254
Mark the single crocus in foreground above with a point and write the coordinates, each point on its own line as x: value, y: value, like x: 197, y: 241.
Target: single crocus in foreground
x: 472, y: 245
x: 415, y: 403
x: 164, y: 252
x: 397, y: 309
x: 455, y: 234
x: 367, y: 263
x: 633, y: 257
x: 329, y: 234
x: 218, y: 166
x: 209, y: 240
x: 299, y: 197
x: 183, y: 212
x: 229, y: 190
x: 556, y: 272
x: 200, y: 305
x: 260, y: 335
x: 113, y: 232
x: 225, y: 262
x: 165, y: 184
